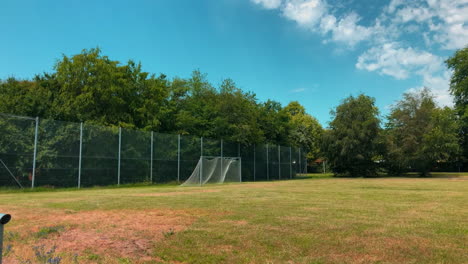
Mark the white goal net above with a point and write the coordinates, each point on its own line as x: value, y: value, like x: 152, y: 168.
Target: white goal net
x: 215, y: 170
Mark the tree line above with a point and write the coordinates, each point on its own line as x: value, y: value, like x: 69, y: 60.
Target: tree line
x: 417, y: 135
x: 90, y: 87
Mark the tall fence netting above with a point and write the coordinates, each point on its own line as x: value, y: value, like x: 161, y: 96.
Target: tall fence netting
x: 82, y: 155
x: 16, y: 150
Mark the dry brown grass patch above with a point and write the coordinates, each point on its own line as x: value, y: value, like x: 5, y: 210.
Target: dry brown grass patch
x: 116, y: 234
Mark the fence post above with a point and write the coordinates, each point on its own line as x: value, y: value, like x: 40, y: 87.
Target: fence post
x: 120, y: 148
x: 279, y: 162
x: 201, y: 160
x: 151, y: 161
x: 221, y: 168
x: 238, y: 149
x: 268, y: 165
x: 178, y: 158
x: 290, y: 163
x: 36, y: 131
x: 81, y: 153
x: 305, y: 163
x: 254, y: 162
x: 240, y: 169
x: 300, y: 157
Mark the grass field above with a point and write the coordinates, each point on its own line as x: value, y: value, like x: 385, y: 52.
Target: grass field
x: 310, y: 220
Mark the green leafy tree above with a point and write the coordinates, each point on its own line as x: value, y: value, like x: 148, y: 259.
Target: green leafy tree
x: 305, y: 131
x: 419, y: 134
x: 26, y: 97
x: 94, y: 88
x: 458, y: 63
x: 227, y: 112
x: 237, y: 115
x: 195, y: 111
x: 274, y: 122
x: 351, y: 142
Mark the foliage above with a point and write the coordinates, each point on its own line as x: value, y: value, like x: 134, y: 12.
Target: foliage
x: 227, y: 112
x: 305, y: 130
x: 458, y: 63
x: 92, y: 88
x: 419, y: 134
x: 351, y: 143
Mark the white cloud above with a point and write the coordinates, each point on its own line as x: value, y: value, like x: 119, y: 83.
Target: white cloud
x: 346, y: 30
x: 439, y: 24
x: 407, y: 14
x: 401, y: 63
x: 392, y: 60
x: 447, y: 20
x: 315, y: 15
x: 268, y: 4
x: 298, y: 90
x: 393, y: 5
x: 453, y: 36
x: 306, y: 13
x: 439, y: 85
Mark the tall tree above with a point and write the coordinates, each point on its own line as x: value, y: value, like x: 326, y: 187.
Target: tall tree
x: 94, y: 88
x: 306, y: 132
x: 26, y: 97
x: 237, y: 115
x: 458, y: 63
x: 274, y: 122
x: 351, y: 143
x: 419, y: 134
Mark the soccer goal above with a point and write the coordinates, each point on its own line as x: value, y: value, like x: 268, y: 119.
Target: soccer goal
x: 211, y: 169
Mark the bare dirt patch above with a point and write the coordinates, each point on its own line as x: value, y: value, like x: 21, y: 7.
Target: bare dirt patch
x: 129, y: 234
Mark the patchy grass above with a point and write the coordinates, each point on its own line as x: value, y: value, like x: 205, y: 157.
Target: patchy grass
x: 46, y: 231
x: 309, y: 220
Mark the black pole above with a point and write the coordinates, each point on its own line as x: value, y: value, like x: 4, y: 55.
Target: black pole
x: 4, y: 219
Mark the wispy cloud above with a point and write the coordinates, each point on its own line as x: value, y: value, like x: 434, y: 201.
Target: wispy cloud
x: 441, y: 24
x: 393, y: 60
x: 298, y: 90
x: 268, y: 4
x: 316, y: 16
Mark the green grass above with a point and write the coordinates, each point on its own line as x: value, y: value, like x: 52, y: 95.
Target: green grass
x: 315, y: 219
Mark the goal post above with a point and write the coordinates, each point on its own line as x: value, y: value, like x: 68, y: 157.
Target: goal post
x: 215, y: 169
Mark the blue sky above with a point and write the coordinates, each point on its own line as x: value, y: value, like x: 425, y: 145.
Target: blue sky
x: 313, y: 51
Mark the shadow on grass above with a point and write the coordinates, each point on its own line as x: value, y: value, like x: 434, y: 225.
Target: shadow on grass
x: 307, y: 176
x: 412, y: 175
x: 62, y: 189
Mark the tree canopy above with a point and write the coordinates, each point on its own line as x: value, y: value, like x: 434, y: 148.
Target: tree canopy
x: 420, y: 134
x: 458, y: 63
x: 351, y: 143
x: 91, y: 87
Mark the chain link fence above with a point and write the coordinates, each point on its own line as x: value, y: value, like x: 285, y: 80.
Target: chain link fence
x: 42, y: 152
